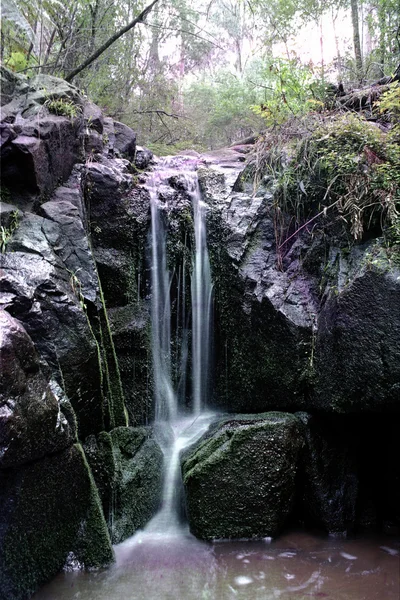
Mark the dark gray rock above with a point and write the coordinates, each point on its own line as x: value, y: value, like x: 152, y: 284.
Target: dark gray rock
x: 125, y: 140
x: 94, y: 118
x: 50, y: 512
x: 32, y: 422
x: 138, y: 485
x: 330, y: 478
x: 265, y: 315
x: 357, y: 347
x: 119, y: 215
x: 100, y: 456
x: 39, y: 163
x: 37, y: 288
x: 240, y: 477
x: 130, y: 327
x: 143, y: 157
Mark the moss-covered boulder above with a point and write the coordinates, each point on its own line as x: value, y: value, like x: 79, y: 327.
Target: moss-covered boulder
x: 138, y: 480
x: 49, y: 513
x: 239, y: 478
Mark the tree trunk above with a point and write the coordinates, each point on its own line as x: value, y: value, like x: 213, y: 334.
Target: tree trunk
x: 356, y: 39
x: 139, y: 19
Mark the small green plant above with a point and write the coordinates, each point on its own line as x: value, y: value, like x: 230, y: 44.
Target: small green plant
x: 346, y: 169
x: 62, y: 107
x: 7, y: 232
x: 389, y: 103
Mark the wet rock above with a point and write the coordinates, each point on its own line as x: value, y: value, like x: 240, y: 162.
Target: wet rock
x: 40, y: 162
x: 94, y: 118
x: 32, y: 421
x: 265, y: 316
x: 100, y: 456
x: 49, y: 512
x: 38, y: 289
x: 357, y: 351
x: 119, y: 219
x: 138, y: 480
x: 143, y: 157
x: 38, y: 148
x: 240, y: 477
x: 125, y: 140
x: 330, y: 478
x: 130, y: 327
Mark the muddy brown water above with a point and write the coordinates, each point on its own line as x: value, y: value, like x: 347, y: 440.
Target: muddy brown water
x: 297, y: 565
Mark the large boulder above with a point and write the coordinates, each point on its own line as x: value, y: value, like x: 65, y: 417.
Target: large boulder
x: 39, y: 290
x: 50, y: 510
x: 139, y: 475
x: 265, y: 313
x: 239, y: 478
x: 127, y: 465
x: 50, y: 514
x: 36, y: 419
x: 357, y: 353
x: 40, y: 143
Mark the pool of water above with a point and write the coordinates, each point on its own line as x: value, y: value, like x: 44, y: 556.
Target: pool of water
x: 297, y: 566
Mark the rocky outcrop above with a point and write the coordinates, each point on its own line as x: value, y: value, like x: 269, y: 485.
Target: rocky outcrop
x: 240, y: 477
x: 32, y: 419
x: 49, y: 505
x: 266, y: 316
x: 62, y: 161
x: 127, y: 465
x: 357, y: 354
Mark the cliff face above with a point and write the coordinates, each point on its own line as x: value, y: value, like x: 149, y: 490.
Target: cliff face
x: 315, y: 331
x: 62, y: 383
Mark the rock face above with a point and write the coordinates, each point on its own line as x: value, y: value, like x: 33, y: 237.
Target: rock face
x: 240, y: 478
x: 49, y: 505
x: 32, y: 421
x: 60, y: 379
x: 127, y: 465
x: 357, y: 350
x: 330, y: 478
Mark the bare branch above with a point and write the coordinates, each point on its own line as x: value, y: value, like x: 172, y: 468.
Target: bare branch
x: 139, y: 19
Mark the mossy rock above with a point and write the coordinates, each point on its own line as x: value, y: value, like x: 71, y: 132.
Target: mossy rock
x: 100, y: 456
x: 49, y: 512
x: 239, y: 478
x: 138, y: 480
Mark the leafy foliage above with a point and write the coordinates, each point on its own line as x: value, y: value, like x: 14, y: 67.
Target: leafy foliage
x: 348, y: 169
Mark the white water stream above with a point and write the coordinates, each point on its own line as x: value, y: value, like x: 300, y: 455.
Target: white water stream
x: 179, y: 429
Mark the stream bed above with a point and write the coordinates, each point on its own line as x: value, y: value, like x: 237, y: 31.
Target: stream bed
x: 297, y: 565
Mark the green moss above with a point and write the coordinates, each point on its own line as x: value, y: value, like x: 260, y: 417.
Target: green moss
x: 240, y: 478
x: 346, y: 167
x: 49, y: 509
x: 138, y: 483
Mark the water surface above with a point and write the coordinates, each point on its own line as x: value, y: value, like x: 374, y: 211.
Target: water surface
x: 297, y: 566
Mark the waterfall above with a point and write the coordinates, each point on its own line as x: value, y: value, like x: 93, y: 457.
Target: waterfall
x: 166, y: 405
x: 184, y: 428
x: 201, y: 306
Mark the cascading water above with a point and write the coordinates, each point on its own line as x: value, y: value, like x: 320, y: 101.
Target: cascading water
x: 183, y: 428
x: 201, y: 306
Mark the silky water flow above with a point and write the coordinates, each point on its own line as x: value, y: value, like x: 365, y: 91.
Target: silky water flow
x: 177, y: 428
